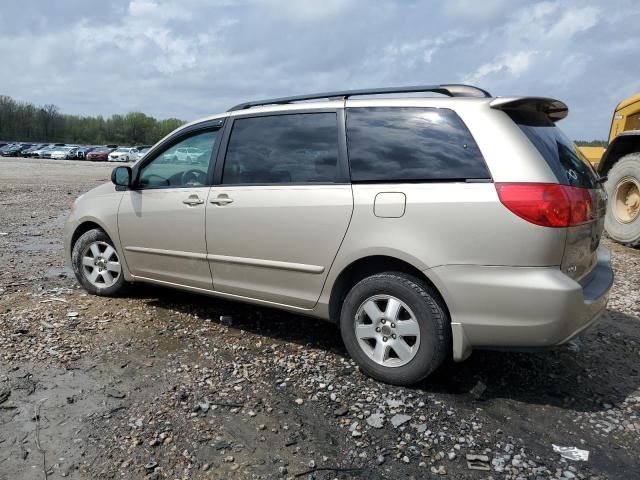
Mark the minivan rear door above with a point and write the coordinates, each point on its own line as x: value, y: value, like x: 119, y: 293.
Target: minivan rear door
x: 280, y: 206
x: 573, y: 169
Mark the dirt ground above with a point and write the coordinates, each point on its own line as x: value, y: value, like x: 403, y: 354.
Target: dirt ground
x: 165, y: 384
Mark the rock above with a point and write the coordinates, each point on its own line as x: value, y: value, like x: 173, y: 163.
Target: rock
x: 440, y: 470
x: 290, y: 441
x: 229, y: 459
x: 149, y: 467
x: 4, y: 395
x: 113, y: 393
x: 376, y: 420
x: 399, y: 419
x: 477, y: 462
x: 478, y: 389
x: 568, y: 474
x: 72, y: 314
x: 451, y: 455
x: 420, y: 427
x: 340, y: 411
x: 380, y: 459
x: 282, y: 470
x: 405, y: 459
x: 299, y: 401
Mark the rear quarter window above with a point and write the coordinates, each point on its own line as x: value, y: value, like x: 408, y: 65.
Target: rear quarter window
x: 387, y: 144
x: 561, y: 154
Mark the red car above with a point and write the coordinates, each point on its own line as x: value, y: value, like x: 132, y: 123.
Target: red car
x: 100, y: 154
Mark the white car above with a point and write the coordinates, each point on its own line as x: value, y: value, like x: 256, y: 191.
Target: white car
x: 188, y: 154
x: 64, y: 153
x: 124, y: 154
x: 142, y: 152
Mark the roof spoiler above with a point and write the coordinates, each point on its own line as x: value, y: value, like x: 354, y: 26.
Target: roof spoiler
x: 555, y: 110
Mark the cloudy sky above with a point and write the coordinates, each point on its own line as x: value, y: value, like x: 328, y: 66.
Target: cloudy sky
x: 191, y: 58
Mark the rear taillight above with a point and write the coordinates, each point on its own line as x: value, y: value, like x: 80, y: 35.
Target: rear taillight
x: 547, y: 204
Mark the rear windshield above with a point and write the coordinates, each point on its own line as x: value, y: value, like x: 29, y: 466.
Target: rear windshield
x: 567, y: 162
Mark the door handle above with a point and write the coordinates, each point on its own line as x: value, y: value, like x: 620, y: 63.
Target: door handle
x: 193, y: 200
x: 221, y: 200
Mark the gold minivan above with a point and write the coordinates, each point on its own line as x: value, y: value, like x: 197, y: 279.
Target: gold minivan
x: 423, y: 226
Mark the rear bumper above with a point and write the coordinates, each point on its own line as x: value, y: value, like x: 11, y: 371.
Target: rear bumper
x: 520, y: 307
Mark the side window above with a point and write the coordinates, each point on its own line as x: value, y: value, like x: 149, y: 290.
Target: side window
x: 184, y: 164
x: 410, y: 144
x: 291, y: 148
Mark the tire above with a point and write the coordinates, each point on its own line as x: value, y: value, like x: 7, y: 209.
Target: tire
x: 108, y: 281
x: 420, y: 303
x: 624, y: 177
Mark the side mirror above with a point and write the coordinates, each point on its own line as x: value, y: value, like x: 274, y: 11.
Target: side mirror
x: 121, y: 176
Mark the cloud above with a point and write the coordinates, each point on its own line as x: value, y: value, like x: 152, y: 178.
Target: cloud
x: 306, y: 10
x: 509, y: 64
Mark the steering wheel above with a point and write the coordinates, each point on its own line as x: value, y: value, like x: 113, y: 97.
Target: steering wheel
x: 194, y: 177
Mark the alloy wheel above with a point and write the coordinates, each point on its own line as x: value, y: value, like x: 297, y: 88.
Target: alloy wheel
x: 100, y: 264
x: 387, y: 330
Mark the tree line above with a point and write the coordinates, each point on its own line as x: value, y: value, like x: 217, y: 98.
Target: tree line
x: 26, y: 122
x: 592, y: 143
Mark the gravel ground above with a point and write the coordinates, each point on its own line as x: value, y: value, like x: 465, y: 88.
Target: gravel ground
x: 165, y: 384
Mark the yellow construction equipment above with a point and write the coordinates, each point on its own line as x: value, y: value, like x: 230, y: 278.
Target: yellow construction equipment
x: 620, y: 163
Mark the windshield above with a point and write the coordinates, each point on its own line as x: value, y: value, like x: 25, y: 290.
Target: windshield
x: 561, y: 154
x: 122, y: 150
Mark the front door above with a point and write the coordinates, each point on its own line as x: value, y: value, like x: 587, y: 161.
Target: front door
x: 161, y: 220
x: 281, y: 208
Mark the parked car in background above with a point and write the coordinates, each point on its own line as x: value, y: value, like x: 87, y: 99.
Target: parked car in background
x: 29, y: 151
x: 124, y: 154
x: 64, y: 153
x: 46, y: 152
x: 83, y: 151
x: 15, y: 150
x: 142, y: 152
x: 5, y: 147
x: 99, y: 154
x: 37, y: 153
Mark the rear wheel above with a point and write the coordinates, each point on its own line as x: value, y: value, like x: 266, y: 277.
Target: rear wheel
x: 395, y: 327
x: 96, y: 264
x: 623, y: 211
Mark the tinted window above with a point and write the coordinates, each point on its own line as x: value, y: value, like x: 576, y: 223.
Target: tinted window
x: 568, y: 164
x: 409, y: 144
x: 295, y: 148
x: 179, y: 166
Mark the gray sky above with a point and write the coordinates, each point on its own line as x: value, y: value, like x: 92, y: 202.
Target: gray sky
x: 191, y: 58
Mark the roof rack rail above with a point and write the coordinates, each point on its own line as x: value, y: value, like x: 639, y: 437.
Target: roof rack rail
x: 453, y: 90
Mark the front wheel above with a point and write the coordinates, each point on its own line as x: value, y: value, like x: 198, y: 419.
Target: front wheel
x: 622, y: 221
x: 97, y: 265
x: 395, y: 327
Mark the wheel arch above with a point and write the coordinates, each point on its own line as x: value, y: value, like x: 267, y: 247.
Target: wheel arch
x: 84, y: 227
x: 370, y: 265
x: 623, y: 144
